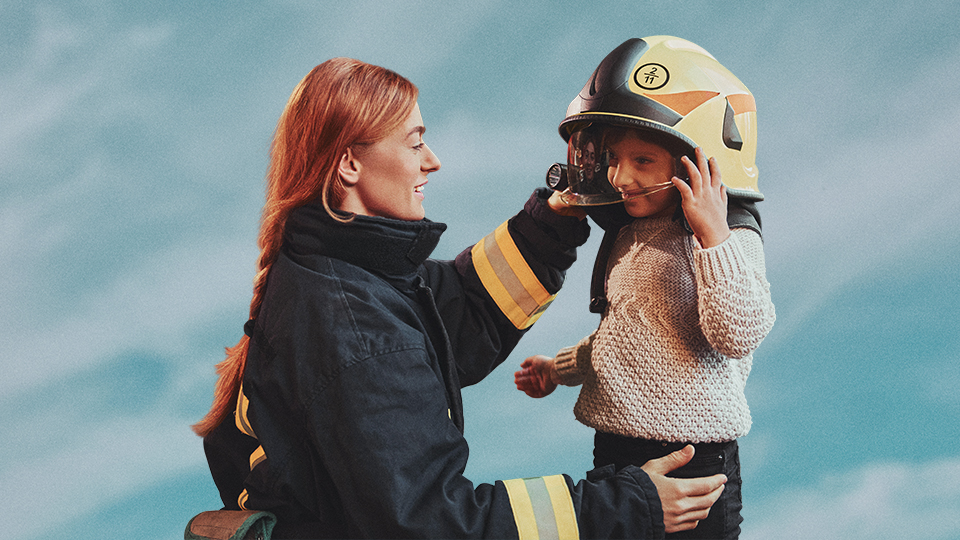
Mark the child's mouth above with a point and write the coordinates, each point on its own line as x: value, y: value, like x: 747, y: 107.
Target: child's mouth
x: 644, y: 191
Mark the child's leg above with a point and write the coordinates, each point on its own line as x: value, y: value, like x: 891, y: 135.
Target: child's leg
x: 710, y: 458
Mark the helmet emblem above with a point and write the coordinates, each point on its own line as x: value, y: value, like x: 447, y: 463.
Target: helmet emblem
x: 651, y: 76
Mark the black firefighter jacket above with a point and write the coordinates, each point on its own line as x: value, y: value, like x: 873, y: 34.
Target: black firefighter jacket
x: 349, y: 422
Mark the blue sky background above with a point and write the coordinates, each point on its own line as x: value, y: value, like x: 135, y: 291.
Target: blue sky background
x: 133, y: 142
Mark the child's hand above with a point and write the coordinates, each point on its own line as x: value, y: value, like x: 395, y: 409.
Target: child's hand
x: 704, y: 200
x: 537, y: 376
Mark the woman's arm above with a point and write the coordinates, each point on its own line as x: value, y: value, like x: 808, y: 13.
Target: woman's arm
x: 397, y: 462
x: 499, y: 287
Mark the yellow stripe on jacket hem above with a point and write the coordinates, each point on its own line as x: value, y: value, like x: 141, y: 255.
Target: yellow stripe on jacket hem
x: 542, y: 508
x: 240, y: 415
x: 256, y: 457
x: 508, y: 278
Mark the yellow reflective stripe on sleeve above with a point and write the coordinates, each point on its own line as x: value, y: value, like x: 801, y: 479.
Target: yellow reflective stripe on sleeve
x: 240, y: 415
x: 242, y: 499
x: 562, y: 507
x: 522, y: 509
x: 508, y: 278
x: 542, y: 508
x: 257, y: 456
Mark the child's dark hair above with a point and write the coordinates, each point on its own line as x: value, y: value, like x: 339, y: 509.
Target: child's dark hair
x: 615, y: 133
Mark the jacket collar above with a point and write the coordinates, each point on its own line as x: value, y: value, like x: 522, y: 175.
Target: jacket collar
x: 388, y: 246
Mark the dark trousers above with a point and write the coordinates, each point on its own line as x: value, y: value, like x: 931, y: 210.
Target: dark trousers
x: 708, y: 460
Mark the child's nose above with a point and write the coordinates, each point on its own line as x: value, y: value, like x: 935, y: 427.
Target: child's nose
x: 618, y: 177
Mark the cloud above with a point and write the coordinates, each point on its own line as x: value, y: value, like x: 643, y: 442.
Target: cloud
x: 75, y: 68
x: 160, y: 304
x: 103, y: 463
x: 878, y: 501
x: 862, y: 200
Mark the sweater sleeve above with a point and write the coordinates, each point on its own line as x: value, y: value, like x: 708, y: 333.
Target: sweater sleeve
x: 573, y: 362
x: 736, y: 311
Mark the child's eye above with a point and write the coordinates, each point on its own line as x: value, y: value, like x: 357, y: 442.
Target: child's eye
x: 419, y: 146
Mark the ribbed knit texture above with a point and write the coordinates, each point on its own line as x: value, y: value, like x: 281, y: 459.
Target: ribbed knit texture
x: 673, y: 351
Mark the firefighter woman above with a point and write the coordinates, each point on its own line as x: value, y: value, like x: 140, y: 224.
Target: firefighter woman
x: 339, y: 412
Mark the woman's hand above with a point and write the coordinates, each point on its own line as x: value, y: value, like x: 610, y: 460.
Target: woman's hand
x: 685, y: 501
x: 537, y: 377
x: 704, y: 200
x: 555, y: 202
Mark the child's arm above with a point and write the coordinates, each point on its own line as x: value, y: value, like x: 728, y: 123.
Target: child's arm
x: 736, y: 311
x: 539, y: 375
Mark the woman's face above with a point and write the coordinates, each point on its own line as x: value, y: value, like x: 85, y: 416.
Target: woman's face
x: 589, y: 160
x: 636, y: 164
x: 392, y: 173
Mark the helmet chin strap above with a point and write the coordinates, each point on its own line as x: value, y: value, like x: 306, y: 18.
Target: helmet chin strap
x: 645, y: 191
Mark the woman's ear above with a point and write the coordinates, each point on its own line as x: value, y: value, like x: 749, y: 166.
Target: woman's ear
x: 349, y: 168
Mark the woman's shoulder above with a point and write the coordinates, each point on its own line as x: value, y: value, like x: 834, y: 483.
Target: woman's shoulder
x: 334, y: 294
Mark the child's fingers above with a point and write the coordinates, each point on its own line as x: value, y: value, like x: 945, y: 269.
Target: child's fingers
x: 702, y: 162
x: 704, y: 169
x: 682, y: 187
x: 532, y: 361
x: 523, y: 374
x: 714, y: 169
x: 693, y: 174
x: 704, y: 175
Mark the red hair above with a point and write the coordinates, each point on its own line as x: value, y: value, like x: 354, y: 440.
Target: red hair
x: 341, y: 103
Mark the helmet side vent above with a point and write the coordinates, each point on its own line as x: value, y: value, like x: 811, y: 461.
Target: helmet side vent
x: 731, y: 135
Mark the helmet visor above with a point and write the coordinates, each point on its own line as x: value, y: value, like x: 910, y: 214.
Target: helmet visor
x: 586, y: 172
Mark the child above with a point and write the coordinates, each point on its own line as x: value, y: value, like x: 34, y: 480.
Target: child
x: 682, y: 284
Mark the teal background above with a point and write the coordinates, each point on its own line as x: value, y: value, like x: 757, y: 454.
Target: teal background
x: 133, y: 143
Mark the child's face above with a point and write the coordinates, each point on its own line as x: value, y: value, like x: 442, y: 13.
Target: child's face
x: 636, y: 164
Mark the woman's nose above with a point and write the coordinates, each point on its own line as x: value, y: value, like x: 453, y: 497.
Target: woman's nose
x: 430, y: 161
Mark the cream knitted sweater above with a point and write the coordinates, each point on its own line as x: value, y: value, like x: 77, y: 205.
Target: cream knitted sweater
x: 674, y: 347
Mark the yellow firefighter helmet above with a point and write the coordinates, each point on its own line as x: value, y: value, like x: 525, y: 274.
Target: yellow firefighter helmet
x: 677, y: 92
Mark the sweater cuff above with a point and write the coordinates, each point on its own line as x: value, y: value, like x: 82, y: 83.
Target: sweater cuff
x: 566, y: 362
x: 570, y: 361
x: 720, y: 263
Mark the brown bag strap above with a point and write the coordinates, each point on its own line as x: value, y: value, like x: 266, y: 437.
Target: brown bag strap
x: 230, y: 525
